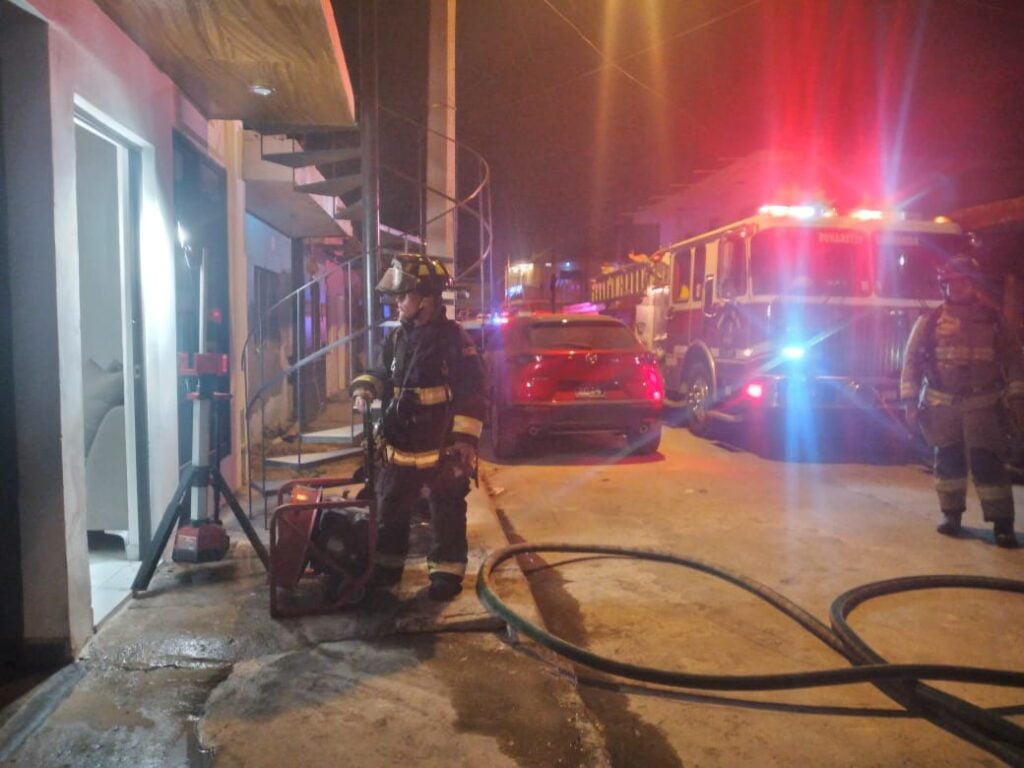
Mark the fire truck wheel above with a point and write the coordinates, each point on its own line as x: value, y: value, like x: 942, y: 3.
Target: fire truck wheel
x: 698, y: 397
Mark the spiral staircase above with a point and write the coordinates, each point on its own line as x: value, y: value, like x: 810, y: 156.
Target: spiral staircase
x: 305, y: 347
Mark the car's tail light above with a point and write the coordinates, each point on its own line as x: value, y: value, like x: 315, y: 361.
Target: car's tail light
x: 575, y: 376
x: 645, y: 381
x: 533, y: 378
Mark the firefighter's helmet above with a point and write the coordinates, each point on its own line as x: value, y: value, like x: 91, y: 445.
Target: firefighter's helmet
x: 960, y: 267
x: 415, y: 272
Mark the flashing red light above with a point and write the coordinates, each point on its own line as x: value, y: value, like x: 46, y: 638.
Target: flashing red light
x: 648, y: 382
x: 755, y: 390
x: 557, y: 378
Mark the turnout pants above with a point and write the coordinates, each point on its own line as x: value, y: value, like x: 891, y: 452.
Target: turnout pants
x: 975, y: 439
x: 399, y: 488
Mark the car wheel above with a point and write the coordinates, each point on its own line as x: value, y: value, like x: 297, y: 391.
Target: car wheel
x: 504, y: 440
x: 644, y: 443
x: 698, y: 397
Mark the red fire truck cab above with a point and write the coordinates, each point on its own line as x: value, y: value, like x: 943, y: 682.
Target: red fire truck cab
x: 796, y: 311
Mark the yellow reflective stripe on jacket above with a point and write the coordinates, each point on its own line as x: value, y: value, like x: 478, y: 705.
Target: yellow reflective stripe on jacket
x: 951, y: 484
x: 421, y: 460
x: 935, y: 397
x: 456, y: 569
x: 467, y: 425
x: 965, y: 354
x: 428, y: 395
x: 385, y: 560
x: 993, y: 492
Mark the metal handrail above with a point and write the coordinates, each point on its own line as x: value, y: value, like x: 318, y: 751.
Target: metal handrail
x: 464, y: 204
x: 476, y: 204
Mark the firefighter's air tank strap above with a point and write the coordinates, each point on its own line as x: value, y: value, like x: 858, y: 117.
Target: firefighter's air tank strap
x: 428, y: 395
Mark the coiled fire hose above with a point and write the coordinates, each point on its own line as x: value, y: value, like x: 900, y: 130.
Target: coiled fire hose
x: 901, y: 682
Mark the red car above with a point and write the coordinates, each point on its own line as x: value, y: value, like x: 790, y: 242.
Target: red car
x: 571, y: 374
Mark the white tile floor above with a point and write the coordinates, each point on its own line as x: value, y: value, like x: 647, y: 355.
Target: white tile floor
x: 111, y: 573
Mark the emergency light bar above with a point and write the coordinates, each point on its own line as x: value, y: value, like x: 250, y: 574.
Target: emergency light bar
x: 812, y: 211
x: 793, y: 211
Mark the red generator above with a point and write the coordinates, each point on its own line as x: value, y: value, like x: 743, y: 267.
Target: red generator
x: 322, y: 546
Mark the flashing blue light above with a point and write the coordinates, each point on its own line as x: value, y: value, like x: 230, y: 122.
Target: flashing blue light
x: 793, y: 353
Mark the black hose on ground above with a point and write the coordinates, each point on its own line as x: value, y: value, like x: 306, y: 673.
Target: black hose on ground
x: 901, y: 682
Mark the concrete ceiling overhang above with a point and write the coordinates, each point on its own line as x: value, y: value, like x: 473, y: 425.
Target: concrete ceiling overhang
x: 291, y: 213
x: 1001, y: 215
x: 216, y: 51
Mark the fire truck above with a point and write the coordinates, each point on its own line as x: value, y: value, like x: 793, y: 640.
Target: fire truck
x: 785, y: 318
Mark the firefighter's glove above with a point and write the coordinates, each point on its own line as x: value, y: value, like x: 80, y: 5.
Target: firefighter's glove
x: 913, y: 414
x: 362, y: 399
x: 465, y: 455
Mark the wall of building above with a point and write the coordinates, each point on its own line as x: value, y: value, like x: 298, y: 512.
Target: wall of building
x: 82, y: 62
x: 28, y: 168
x: 268, y: 249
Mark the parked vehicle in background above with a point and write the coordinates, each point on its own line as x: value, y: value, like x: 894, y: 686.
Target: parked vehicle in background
x: 571, y: 374
x: 544, y: 285
x: 778, y: 319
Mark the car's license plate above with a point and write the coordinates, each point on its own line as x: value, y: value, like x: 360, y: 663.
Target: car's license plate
x: 589, y: 392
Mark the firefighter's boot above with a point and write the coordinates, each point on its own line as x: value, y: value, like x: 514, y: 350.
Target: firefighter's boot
x: 444, y: 586
x: 1005, y: 537
x: 950, y: 525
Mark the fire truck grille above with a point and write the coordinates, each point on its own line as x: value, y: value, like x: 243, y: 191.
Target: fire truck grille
x: 868, y: 346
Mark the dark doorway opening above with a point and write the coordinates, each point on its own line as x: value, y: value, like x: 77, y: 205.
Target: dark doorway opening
x: 11, y: 624
x: 200, y: 206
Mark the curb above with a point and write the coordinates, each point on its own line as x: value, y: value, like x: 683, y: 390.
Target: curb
x: 24, y: 716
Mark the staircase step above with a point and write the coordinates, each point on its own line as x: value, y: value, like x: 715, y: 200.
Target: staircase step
x: 333, y: 187
x: 313, y: 156
x: 312, y: 458
x: 404, y: 238
x: 268, y: 488
x: 351, y: 213
x: 342, y: 435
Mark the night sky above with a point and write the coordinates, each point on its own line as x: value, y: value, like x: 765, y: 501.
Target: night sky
x: 586, y: 109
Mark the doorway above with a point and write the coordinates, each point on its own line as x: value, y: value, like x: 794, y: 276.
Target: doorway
x: 200, y: 209
x: 10, y: 543
x: 113, y: 391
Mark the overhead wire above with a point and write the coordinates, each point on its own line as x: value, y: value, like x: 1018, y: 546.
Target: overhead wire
x: 608, y: 62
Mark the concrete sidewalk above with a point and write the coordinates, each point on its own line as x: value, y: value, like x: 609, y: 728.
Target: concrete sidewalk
x: 195, y: 673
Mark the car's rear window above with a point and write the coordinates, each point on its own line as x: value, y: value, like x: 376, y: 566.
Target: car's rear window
x: 589, y: 335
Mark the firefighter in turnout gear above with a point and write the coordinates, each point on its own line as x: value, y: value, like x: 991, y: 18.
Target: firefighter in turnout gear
x: 430, y: 381
x: 963, y: 365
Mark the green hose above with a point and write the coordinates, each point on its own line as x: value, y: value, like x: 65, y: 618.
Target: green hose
x: 899, y: 681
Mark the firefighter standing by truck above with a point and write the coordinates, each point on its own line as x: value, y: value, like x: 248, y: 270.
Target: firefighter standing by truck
x: 963, y: 365
x: 431, y: 385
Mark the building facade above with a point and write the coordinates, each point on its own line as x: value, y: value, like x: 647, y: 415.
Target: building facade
x: 123, y: 154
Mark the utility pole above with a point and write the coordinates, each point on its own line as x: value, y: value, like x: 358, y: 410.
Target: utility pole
x: 441, y: 217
